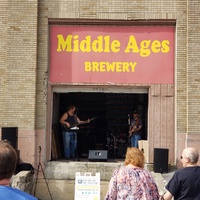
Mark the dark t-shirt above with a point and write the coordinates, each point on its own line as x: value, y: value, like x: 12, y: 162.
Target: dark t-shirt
x: 185, y: 184
x: 133, y: 123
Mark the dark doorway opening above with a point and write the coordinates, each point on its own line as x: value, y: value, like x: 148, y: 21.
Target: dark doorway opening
x: 109, y: 131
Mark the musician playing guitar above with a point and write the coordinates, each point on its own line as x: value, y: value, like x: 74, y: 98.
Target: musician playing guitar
x: 135, y: 129
x: 68, y: 121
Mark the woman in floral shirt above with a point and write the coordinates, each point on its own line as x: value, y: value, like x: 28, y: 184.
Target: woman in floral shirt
x: 132, y: 182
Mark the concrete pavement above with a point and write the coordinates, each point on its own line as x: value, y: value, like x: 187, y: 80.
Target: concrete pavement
x: 162, y: 180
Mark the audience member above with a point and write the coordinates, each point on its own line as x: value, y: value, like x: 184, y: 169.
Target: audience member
x: 185, y: 183
x: 132, y: 181
x: 8, y: 160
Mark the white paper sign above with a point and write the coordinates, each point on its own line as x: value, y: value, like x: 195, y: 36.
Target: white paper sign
x: 87, y: 187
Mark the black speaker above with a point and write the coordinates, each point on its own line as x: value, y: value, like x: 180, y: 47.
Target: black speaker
x: 11, y: 135
x: 98, y: 155
x: 160, y: 163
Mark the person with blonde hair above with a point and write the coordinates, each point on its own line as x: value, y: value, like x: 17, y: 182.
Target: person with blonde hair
x: 132, y: 181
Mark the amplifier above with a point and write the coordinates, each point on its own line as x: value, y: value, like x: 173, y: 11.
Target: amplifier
x: 98, y: 155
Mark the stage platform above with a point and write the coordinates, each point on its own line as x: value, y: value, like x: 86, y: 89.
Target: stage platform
x: 63, y: 169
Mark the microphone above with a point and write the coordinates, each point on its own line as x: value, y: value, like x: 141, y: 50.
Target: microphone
x: 129, y: 120
x: 76, y: 111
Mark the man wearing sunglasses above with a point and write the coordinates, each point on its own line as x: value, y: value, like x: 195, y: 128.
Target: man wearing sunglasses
x: 185, y: 183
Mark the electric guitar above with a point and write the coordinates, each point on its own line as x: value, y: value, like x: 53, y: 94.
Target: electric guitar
x: 134, y: 127
x: 75, y: 127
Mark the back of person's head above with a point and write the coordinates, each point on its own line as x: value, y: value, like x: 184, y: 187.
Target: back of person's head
x: 135, y: 157
x: 192, y: 154
x: 8, y: 160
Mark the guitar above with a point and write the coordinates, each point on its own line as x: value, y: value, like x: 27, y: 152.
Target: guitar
x: 75, y: 127
x: 134, y: 127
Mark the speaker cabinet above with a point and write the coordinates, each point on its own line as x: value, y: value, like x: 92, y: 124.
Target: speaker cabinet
x: 11, y: 135
x: 98, y: 155
x: 160, y: 164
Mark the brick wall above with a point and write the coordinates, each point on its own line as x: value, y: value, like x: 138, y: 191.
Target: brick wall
x: 18, y: 66
x: 18, y: 58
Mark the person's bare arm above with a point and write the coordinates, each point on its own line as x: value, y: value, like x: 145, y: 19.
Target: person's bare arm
x: 63, y: 118
x: 81, y: 121
x: 78, y: 120
x: 167, y: 196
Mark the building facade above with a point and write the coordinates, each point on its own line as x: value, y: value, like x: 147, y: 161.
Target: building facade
x: 32, y: 102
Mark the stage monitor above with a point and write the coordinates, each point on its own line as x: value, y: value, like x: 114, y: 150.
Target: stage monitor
x: 98, y: 155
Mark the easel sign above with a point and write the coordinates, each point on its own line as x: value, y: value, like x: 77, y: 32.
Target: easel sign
x: 87, y: 187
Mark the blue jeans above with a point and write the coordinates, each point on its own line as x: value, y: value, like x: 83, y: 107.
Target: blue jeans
x: 70, y: 143
x: 134, y: 140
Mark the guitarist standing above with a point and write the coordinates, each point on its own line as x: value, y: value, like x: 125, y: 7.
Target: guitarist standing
x: 135, y: 129
x: 68, y: 121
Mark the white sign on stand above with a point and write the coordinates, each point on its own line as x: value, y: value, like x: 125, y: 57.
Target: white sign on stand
x: 87, y: 187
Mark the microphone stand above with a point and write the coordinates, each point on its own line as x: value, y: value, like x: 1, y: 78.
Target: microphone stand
x: 38, y: 169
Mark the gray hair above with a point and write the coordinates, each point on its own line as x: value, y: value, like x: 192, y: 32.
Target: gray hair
x: 192, y: 154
